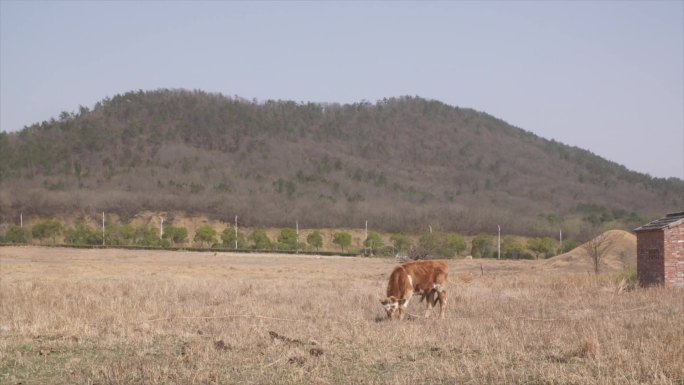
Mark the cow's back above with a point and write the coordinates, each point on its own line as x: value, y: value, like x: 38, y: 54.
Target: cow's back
x: 425, y: 274
x: 417, y: 276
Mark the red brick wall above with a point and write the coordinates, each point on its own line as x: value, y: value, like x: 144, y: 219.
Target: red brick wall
x: 660, y: 256
x: 650, y: 253
x: 674, y: 256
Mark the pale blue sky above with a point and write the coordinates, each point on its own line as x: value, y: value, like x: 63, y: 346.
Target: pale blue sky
x: 604, y: 76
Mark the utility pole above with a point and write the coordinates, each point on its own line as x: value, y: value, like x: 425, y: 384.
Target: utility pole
x: 561, y: 240
x: 236, y: 232
x: 297, y: 240
x: 161, y: 228
x: 103, y: 229
x: 365, y: 249
x: 21, y: 219
x: 498, y: 246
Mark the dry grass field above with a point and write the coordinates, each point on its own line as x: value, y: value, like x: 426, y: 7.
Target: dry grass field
x: 71, y: 316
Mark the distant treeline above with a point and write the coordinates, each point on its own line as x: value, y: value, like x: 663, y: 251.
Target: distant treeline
x: 432, y: 244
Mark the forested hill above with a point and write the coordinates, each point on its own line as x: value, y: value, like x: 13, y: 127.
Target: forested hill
x: 401, y: 164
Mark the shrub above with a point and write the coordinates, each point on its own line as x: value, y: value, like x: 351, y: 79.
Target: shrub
x: 127, y: 234
x: 401, y: 242
x: 287, y: 240
x: 176, y: 235
x: 569, y: 245
x: 260, y: 240
x: 542, y: 246
x: 439, y: 244
x: 50, y: 228
x: 148, y: 236
x: 453, y: 245
x: 228, y: 238
x: 387, y: 251
x: 428, y: 244
x: 513, y: 248
x: 372, y: 243
x: 205, y: 235
x: 82, y: 234
x: 16, y: 234
x: 482, y: 246
x: 315, y: 240
x: 342, y: 239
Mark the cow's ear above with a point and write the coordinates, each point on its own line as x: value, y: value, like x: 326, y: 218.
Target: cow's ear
x: 402, y: 301
x: 384, y: 301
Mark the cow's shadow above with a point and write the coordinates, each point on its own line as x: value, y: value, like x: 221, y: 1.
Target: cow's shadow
x: 382, y: 318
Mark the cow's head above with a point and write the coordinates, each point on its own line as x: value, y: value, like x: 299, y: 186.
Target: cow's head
x: 391, y: 305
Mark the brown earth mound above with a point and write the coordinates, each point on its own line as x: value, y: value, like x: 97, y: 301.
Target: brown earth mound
x: 620, y: 254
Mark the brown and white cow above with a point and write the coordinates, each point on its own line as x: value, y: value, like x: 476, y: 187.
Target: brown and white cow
x: 427, y: 278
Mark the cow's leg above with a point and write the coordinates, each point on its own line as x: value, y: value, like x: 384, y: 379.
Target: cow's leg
x: 430, y: 300
x: 442, y: 296
x: 440, y: 291
x: 403, y: 304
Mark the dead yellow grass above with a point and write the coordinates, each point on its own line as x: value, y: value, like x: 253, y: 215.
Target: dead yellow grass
x: 154, y: 317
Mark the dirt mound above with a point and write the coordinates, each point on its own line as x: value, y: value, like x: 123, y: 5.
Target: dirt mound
x: 620, y: 253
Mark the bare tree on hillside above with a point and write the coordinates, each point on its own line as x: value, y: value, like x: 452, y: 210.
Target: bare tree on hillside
x: 597, y: 248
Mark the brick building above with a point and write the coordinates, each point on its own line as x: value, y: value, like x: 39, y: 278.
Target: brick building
x: 660, y: 251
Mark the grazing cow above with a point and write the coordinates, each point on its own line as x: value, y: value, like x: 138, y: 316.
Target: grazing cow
x: 427, y: 278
